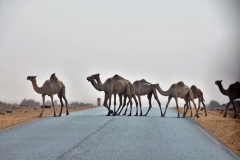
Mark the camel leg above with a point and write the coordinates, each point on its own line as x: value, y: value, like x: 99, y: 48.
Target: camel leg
x: 66, y: 102
x: 235, y: 115
x: 53, y: 106
x: 196, y: 115
x: 190, y: 108
x: 124, y: 103
x: 140, y: 104
x: 226, y: 109
x: 43, y: 105
x: 130, y: 99
x: 177, y: 106
x: 114, y: 112
x: 60, y: 98
x: 204, y: 108
x: 169, y: 99
x: 149, y: 96
x: 120, y: 103
x: 135, y: 99
x: 106, y: 97
x: 185, y: 111
x: 159, y: 104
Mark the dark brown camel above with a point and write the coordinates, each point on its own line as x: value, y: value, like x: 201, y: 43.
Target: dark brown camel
x: 233, y: 92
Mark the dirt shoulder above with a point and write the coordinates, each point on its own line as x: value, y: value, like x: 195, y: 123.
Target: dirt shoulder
x: 18, y: 115
x: 227, y: 130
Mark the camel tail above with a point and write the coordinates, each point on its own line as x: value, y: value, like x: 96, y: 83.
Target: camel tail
x: 203, y: 99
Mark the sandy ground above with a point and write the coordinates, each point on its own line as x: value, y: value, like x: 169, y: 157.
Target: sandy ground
x: 227, y: 130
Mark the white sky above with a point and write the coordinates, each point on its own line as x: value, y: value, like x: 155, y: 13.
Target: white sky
x: 164, y: 42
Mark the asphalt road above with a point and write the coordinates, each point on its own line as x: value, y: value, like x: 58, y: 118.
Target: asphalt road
x: 89, y: 134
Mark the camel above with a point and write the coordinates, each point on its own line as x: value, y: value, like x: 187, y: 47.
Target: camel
x: 113, y: 85
x: 50, y: 87
x: 197, y: 93
x: 177, y: 90
x: 142, y: 87
x: 233, y: 92
x: 97, y: 78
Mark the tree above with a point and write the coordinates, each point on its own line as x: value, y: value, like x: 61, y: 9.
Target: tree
x: 213, y: 104
x: 30, y: 103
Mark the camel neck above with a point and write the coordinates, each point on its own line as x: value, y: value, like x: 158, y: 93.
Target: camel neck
x: 99, y: 81
x: 36, y: 88
x: 222, y: 90
x: 96, y: 86
x: 164, y: 93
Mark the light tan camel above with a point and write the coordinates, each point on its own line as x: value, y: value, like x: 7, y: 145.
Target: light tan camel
x: 177, y: 90
x: 142, y: 87
x: 197, y: 93
x: 113, y: 85
x: 50, y: 87
x: 97, y: 78
x: 233, y: 92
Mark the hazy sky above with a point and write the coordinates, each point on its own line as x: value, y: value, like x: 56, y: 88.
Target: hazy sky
x: 164, y: 42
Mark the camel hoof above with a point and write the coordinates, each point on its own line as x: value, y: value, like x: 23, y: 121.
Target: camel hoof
x: 67, y: 113
x: 114, y: 114
x: 183, y: 117
x: 59, y: 115
x: 40, y: 116
x: 111, y: 111
x: 108, y: 115
x: 136, y: 115
x: 129, y: 115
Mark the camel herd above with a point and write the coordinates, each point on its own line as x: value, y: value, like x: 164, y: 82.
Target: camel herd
x: 125, y: 89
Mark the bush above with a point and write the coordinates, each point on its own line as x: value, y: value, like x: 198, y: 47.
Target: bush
x: 30, y: 103
x: 213, y: 104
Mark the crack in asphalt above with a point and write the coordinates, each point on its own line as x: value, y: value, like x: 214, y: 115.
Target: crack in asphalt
x: 74, y: 150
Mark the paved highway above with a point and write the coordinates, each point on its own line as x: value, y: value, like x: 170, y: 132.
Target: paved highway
x: 89, y: 134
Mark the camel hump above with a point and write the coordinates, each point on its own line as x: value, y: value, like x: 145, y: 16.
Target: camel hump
x: 180, y: 83
x: 237, y: 83
x: 53, y: 77
x: 193, y: 87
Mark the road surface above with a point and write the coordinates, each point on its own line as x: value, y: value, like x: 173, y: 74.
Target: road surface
x: 89, y: 134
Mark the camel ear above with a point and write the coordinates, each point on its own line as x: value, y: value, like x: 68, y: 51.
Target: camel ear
x: 221, y: 81
x: 34, y: 76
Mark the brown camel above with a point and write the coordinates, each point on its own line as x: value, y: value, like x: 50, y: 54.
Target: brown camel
x: 197, y: 93
x: 177, y: 90
x: 97, y: 78
x: 233, y: 92
x: 113, y: 85
x: 142, y: 87
x: 50, y: 87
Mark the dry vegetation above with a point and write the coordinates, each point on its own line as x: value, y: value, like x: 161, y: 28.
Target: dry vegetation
x: 227, y: 130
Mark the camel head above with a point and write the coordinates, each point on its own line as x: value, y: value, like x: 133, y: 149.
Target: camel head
x: 153, y: 86
x: 218, y: 82
x: 90, y: 78
x: 95, y: 76
x: 31, y: 78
